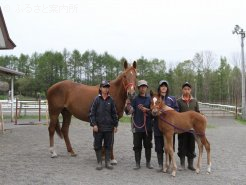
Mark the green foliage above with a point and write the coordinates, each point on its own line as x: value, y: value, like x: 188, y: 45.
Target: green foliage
x: 215, y: 85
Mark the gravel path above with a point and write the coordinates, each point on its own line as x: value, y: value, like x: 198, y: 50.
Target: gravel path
x: 25, y: 159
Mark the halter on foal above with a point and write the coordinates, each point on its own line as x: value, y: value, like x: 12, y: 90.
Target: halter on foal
x: 171, y: 121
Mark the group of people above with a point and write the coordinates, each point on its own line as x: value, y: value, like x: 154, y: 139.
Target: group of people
x: 104, y: 120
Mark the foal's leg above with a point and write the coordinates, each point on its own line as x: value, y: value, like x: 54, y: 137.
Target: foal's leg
x: 207, y: 147
x: 166, y: 164
x: 169, y: 148
x: 200, y: 151
x: 52, y: 127
x: 65, y: 129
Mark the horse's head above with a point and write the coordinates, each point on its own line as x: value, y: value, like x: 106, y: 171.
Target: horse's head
x: 129, y: 79
x: 157, y: 104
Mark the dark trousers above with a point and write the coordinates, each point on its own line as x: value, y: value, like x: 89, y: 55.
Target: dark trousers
x: 186, y: 145
x: 141, y: 139
x: 102, y: 136
x: 159, y: 144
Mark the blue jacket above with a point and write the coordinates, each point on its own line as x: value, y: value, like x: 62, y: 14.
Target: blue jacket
x: 170, y: 101
x: 138, y: 115
x: 103, y: 114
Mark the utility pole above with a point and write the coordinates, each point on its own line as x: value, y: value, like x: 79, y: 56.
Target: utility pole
x: 240, y: 31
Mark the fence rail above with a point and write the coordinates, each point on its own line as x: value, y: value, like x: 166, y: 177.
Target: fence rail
x: 40, y: 108
x: 24, y: 107
x: 220, y: 110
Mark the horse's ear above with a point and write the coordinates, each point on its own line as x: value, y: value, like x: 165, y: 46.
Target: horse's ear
x: 125, y: 64
x: 151, y: 93
x: 134, y: 64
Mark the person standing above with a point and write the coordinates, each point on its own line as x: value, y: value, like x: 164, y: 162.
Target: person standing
x: 141, y: 124
x: 103, y: 119
x: 186, y: 141
x: 163, y: 90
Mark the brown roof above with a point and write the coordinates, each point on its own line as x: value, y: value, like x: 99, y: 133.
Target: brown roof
x: 11, y: 72
x: 5, y: 41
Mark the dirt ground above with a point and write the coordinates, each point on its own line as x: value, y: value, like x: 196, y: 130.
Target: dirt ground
x: 25, y: 158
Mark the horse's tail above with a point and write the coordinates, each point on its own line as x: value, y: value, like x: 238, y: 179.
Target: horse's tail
x: 58, y: 129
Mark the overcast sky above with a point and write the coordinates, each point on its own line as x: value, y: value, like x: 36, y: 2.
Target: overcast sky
x: 173, y: 30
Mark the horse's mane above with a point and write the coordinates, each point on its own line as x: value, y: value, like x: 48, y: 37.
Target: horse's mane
x: 120, y: 76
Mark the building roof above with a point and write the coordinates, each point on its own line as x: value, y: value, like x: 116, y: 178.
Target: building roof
x: 5, y: 41
x: 10, y: 72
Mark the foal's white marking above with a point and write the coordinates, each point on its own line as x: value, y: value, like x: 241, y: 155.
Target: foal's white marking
x: 154, y: 100
x: 113, y: 161
x: 53, y: 152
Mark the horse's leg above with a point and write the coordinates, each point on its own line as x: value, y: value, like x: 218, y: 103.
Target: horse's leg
x: 65, y: 130
x: 52, y: 127
x: 171, y: 153
x: 200, y: 151
x: 207, y: 147
x: 166, y: 165
x: 113, y: 160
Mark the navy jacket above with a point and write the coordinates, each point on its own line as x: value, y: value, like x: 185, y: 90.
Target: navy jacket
x: 170, y: 101
x: 103, y: 114
x: 138, y: 115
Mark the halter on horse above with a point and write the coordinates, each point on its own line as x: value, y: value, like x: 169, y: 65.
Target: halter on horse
x: 170, y: 122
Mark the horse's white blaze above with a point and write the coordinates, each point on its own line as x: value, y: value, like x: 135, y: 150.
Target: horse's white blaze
x: 132, y: 88
x: 154, y: 100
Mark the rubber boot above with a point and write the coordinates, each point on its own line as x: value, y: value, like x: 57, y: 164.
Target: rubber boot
x: 160, y: 161
x: 148, y: 157
x: 137, y: 159
x: 99, y: 159
x: 182, y: 163
x: 107, y: 160
x: 190, y: 164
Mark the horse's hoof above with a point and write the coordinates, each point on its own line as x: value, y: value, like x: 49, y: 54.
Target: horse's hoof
x: 164, y: 170
x: 174, y: 173
x: 197, y: 171
x: 113, y: 162
x: 72, y: 154
x: 53, y: 155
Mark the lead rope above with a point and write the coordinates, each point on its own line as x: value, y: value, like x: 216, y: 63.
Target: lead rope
x: 143, y: 125
x: 177, y: 128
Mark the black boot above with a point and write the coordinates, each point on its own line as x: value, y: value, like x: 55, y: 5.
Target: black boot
x: 182, y: 163
x: 137, y: 159
x: 160, y: 161
x: 107, y: 160
x: 99, y: 159
x: 148, y: 157
x: 190, y: 164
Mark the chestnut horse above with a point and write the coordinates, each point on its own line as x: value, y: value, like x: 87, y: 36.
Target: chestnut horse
x: 171, y: 121
x: 69, y: 98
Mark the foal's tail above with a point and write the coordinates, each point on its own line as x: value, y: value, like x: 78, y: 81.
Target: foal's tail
x: 58, y: 129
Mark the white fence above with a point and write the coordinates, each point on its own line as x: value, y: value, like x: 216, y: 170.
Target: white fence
x: 23, y: 108
x: 220, y: 110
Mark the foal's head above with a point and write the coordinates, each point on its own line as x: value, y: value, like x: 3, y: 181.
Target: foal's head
x: 157, y: 104
x: 129, y: 79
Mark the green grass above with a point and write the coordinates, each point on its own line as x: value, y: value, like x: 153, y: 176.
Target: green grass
x: 125, y: 119
x: 210, y: 126
x: 241, y: 121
